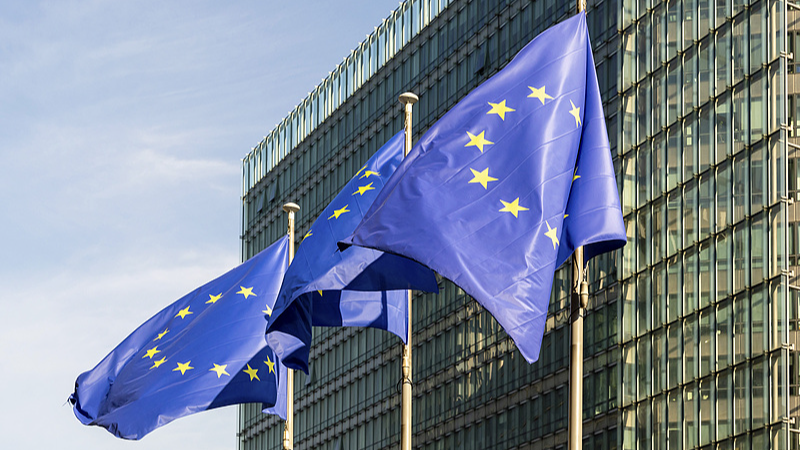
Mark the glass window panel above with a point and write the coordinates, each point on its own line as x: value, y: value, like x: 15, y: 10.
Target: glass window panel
x: 740, y: 51
x: 706, y: 205
x: 674, y: 289
x: 659, y: 235
x: 724, y: 395
x: 758, y: 36
x: 689, y: 80
x: 659, y: 360
x: 673, y: 155
x: 644, y: 378
x: 707, y: 410
x: 705, y: 70
x: 659, y: 168
x: 690, y: 413
x: 741, y: 252
x: 707, y: 339
x: 644, y: 239
x: 758, y: 317
x: 674, y: 352
x: 628, y: 122
x: 643, y: 175
x: 644, y: 303
x: 628, y: 182
x: 690, y: 289
x: 644, y: 48
x: 778, y: 236
x: 675, y: 419
x: 723, y: 266
x: 689, y: 22
x: 690, y: 153
x: 741, y: 184
x: 690, y: 347
x: 722, y: 119
x: 674, y: 222
x: 757, y: 110
x: 724, y: 334
x: 644, y: 115
x: 741, y: 328
x: 629, y: 250
x: 644, y: 432
x: 628, y: 309
x: 741, y: 399
x: 723, y: 58
x: 723, y: 196
x: 759, y: 393
x: 659, y: 106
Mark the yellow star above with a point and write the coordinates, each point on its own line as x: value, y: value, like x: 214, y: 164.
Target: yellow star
x: 368, y: 174
x: 576, y: 112
x: 268, y: 311
x: 183, y: 367
x: 252, y: 372
x: 320, y: 293
x: 161, y: 335
x: 220, y: 370
x: 539, y: 93
x: 551, y: 233
x: 184, y: 312
x: 500, y: 109
x: 575, y: 175
x: 247, y: 292
x: 362, y: 189
x: 513, y: 207
x: 359, y: 171
x: 213, y: 298
x: 152, y: 352
x: 158, y: 363
x: 477, y: 141
x: 482, y: 177
x: 270, y: 364
x: 339, y: 212
x: 309, y: 234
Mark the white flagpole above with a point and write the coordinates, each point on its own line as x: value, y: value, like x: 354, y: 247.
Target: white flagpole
x: 579, y: 300
x: 288, y: 430
x: 407, y: 99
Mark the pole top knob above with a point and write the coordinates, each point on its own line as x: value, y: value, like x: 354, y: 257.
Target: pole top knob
x: 408, y: 98
x: 291, y: 207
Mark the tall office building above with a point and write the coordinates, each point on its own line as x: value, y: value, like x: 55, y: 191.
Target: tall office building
x: 690, y: 335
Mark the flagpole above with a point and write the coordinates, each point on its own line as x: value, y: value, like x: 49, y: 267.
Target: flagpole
x: 288, y: 430
x: 407, y: 99
x: 578, y: 302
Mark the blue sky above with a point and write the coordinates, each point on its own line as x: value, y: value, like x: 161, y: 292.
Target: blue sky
x: 122, y: 129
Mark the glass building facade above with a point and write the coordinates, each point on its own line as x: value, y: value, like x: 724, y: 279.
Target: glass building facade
x: 690, y: 334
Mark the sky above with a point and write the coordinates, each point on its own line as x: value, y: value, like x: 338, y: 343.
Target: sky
x: 122, y: 129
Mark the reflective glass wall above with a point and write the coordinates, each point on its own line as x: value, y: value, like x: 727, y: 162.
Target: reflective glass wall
x: 704, y: 285
x: 689, y: 328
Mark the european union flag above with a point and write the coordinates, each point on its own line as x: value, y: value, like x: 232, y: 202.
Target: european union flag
x: 356, y: 287
x: 204, y: 351
x: 501, y: 190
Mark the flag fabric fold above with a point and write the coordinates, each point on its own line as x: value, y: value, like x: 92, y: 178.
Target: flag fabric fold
x: 500, y: 191
x: 206, y: 350
x: 356, y: 287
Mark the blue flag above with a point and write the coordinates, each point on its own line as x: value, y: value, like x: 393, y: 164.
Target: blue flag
x: 501, y: 190
x: 204, y: 351
x: 356, y: 287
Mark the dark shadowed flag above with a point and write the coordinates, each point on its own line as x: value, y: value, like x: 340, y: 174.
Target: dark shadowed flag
x: 356, y: 287
x: 204, y: 351
x: 501, y: 190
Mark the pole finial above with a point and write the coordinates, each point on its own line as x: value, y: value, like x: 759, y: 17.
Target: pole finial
x: 291, y: 207
x: 408, y: 98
